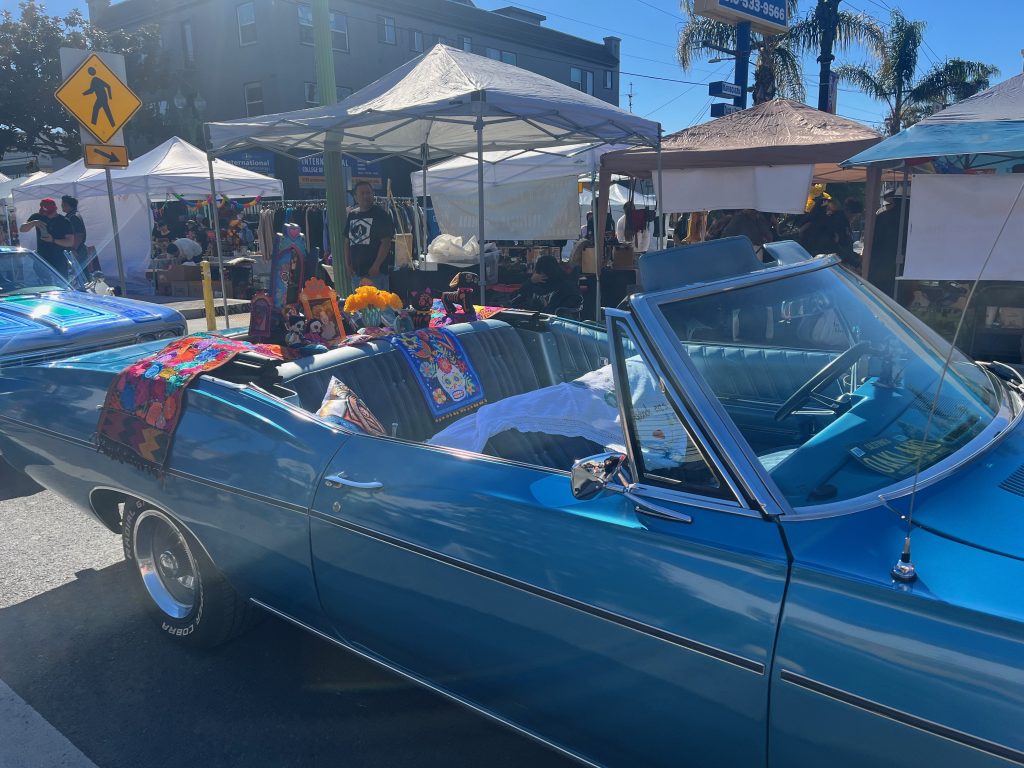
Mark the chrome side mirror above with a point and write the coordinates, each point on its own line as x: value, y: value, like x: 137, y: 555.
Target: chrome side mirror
x: 591, y: 475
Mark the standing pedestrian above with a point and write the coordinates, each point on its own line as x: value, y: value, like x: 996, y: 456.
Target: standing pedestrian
x: 368, y: 233
x: 53, y: 235
x: 69, y: 205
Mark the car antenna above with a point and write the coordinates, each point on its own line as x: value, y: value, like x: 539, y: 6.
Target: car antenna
x: 903, y: 571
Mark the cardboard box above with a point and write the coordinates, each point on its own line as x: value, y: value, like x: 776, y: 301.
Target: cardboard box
x: 588, y: 264
x: 184, y: 272
x: 179, y: 288
x: 195, y: 289
x: 163, y: 284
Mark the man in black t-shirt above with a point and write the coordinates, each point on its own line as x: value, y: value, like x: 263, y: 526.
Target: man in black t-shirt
x: 69, y: 205
x: 368, y: 234
x: 53, y: 235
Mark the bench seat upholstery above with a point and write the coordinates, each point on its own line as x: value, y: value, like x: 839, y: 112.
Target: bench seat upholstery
x: 382, y: 378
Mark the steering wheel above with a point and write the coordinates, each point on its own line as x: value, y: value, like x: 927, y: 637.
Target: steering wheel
x: 832, y: 371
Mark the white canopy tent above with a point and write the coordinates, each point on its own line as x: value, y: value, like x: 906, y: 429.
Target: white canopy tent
x: 445, y: 102
x: 173, y: 168
x: 533, y: 193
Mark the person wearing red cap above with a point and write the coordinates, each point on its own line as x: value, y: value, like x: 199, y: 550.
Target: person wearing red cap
x: 53, y: 234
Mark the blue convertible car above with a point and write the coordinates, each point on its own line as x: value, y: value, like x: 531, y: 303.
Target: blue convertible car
x: 43, y: 318
x: 763, y: 517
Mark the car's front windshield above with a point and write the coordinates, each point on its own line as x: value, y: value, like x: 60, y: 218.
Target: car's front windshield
x: 25, y: 272
x: 831, y: 384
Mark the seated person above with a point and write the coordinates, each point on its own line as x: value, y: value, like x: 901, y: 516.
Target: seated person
x: 549, y: 288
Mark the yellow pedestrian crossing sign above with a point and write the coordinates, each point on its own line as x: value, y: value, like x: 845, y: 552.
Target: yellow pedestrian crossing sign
x: 98, y: 99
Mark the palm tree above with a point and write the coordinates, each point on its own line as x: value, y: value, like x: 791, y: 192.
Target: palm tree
x: 892, y: 79
x: 826, y: 29
x: 777, y: 69
x: 947, y: 83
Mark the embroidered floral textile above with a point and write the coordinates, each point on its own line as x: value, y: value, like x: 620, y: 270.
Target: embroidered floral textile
x: 143, y: 404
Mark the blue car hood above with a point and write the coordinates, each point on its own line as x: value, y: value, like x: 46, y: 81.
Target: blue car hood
x: 70, y: 322
x: 982, y: 503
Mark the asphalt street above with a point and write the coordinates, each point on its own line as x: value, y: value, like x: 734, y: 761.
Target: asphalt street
x: 86, y: 680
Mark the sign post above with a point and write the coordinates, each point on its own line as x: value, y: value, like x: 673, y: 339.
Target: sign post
x: 95, y: 94
x: 766, y: 17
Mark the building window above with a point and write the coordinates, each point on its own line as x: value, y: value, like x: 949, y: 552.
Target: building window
x: 609, y: 81
x: 416, y: 40
x: 466, y: 43
x: 305, y: 24
x: 253, y: 99
x: 492, y: 53
x: 386, y: 30
x: 188, y: 52
x: 312, y: 94
x: 509, y: 58
x: 582, y: 79
x: 339, y: 32
x: 342, y: 92
x: 246, y: 13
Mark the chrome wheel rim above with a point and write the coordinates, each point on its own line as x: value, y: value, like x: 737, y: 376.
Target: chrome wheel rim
x: 165, y: 563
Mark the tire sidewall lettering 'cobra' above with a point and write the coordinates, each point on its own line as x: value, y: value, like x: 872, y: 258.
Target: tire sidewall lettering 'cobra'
x: 189, y: 624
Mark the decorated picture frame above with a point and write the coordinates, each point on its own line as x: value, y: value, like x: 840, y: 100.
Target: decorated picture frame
x: 261, y: 317
x: 320, y: 303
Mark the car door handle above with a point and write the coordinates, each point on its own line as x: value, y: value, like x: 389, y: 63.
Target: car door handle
x: 337, y: 481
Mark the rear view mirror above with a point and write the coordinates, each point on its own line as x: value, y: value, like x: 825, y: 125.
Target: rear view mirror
x: 591, y: 475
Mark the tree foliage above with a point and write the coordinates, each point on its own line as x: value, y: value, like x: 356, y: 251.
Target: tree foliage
x: 893, y: 78
x: 778, y: 69
x: 31, y: 119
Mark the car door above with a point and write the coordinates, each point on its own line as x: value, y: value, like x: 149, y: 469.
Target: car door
x: 629, y: 629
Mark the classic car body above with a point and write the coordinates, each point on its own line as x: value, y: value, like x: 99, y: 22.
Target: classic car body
x: 731, y: 602
x: 43, y: 318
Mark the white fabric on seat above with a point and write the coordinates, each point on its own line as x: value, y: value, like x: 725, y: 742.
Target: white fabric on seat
x: 586, y: 407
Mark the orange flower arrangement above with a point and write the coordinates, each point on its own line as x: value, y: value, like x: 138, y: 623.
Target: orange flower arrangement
x: 368, y: 297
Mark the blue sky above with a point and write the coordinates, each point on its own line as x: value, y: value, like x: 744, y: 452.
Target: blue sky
x: 987, y: 30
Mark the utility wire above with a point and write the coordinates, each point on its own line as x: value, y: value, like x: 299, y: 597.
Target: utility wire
x: 662, y: 10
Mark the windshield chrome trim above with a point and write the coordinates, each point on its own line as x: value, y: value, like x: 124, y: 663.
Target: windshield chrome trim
x: 646, y: 308
x: 722, y: 433
x: 686, y: 499
x: 681, y: 406
x: 766, y: 275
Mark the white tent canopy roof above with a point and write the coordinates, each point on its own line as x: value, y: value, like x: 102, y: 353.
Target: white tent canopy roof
x: 7, y: 186
x: 173, y: 167
x: 459, y: 174
x: 434, y: 101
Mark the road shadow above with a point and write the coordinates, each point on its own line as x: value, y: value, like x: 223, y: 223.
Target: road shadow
x: 15, y: 484
x: 87, y: 657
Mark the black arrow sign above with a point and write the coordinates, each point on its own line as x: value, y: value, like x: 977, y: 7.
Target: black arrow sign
x: 109, y: 155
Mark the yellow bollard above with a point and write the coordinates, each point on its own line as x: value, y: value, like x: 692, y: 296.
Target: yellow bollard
x: 211, y: 316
